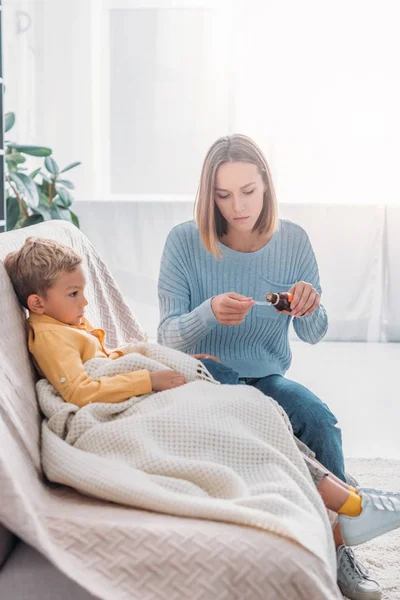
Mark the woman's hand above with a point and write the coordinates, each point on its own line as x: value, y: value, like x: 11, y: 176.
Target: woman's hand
x: 200, y: 356
x: 231, y: 308
x: 305, y: 299
x: 166, y: 380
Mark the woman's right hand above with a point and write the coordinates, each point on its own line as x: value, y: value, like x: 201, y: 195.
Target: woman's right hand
x: 166, y: 380
x: 231, y: 308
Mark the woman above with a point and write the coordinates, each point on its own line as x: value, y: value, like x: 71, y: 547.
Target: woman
x: 214, y: 270
x: 212, y: 273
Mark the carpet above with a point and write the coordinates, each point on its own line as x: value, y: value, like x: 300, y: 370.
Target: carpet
x: 382, y: 555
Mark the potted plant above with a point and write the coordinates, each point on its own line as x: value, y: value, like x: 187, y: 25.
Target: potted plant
x: 41, y: 195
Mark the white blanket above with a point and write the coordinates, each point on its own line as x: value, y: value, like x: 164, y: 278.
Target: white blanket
x: 201, y: 450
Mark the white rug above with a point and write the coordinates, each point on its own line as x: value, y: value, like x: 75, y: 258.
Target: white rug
x: 382, y: 556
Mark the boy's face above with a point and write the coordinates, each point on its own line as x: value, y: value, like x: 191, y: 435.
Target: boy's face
x: 65, y: 300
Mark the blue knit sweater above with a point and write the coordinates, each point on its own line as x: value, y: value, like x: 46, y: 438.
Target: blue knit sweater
x: 190, y: 276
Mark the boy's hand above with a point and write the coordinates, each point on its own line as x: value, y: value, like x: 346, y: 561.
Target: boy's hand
x: 127, y: 349
x: 166, y: 380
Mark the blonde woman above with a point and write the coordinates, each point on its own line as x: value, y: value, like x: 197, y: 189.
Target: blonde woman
x: 215, y: 269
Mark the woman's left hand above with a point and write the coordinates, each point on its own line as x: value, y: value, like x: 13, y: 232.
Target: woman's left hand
x: 305, y: 299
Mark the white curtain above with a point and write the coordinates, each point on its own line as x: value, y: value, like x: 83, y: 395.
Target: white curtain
x: 19, y: 56
x: 138, y: 89
x: 391, y: 273
x: 169, y: 94
x: 318, y: 86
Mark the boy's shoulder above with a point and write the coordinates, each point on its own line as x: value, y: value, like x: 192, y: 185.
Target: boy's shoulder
x: 41, y: 323
x: 44, y: 323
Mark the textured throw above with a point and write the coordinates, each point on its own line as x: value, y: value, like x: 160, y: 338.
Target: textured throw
x: 201, y: 450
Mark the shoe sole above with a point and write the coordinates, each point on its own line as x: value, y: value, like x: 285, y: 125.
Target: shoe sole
x: 361, y: 595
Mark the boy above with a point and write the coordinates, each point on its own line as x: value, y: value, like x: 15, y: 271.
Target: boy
x: 48, y: 279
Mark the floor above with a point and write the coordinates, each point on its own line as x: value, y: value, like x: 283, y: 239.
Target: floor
x: 358, y: 381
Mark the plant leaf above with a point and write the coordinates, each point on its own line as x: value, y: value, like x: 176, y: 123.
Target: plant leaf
x: 32, y: 220
x: 15, y: 158
x: 74, y: 219
x: 34, y: 173
x: 66, y: 183
x: 64, y: 198
x: 32, y: 150
x: 51, y: 165
x: 43, y: 199
x: 71, y: 166
x: 44, y: 211
x: 45, y: 176
x: 9, y: 120
x: 65, y: 214
x: 26, y: 187
x: 55, y: 213
x: 12, y: 167
x: 13, y: 212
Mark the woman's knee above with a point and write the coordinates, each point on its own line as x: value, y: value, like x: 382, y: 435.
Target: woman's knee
x: 311, y: 412
x: 322, y: 420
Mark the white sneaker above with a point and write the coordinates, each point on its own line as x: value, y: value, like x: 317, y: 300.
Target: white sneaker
x: 379, y: 514
x: 353, y: 577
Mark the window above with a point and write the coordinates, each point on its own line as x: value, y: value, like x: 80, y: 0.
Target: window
x: 165, y: 94
x: 139, y: 89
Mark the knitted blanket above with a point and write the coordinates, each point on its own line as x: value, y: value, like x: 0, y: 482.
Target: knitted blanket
x: 201, y: 450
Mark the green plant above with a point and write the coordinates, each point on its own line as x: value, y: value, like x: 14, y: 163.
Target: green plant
x: 40, y: 196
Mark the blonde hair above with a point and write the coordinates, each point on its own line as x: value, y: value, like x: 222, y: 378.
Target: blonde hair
x: 212, y: 225
x: 34, y: 268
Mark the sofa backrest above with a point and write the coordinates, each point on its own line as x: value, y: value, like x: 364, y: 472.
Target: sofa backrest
x: 18, y: 405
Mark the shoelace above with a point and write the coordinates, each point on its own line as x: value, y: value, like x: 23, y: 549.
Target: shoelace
x: 354, y: 568
x: 352, y: 565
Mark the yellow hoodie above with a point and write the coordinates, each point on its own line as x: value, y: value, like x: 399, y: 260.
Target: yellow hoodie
x: 60, y: 351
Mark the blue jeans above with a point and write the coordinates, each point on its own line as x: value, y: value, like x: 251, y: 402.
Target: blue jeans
x: 312, y: 421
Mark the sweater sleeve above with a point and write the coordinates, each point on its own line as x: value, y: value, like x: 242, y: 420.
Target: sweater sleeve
x: 179, y: 327
x: 311, y: 328
x: 60, y: 362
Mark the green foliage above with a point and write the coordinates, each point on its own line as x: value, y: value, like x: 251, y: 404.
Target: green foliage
x: 40, y: 196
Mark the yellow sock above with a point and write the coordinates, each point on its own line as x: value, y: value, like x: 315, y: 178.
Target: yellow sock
x: 352, y: 489
x: 352, y: 506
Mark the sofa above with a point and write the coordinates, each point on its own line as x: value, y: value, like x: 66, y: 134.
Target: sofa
x: 158, y: 556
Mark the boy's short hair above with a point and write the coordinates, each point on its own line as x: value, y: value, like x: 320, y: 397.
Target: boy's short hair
x: 34, y: 268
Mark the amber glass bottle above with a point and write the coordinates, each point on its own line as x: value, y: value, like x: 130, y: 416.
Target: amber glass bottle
x: 281, y: 301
